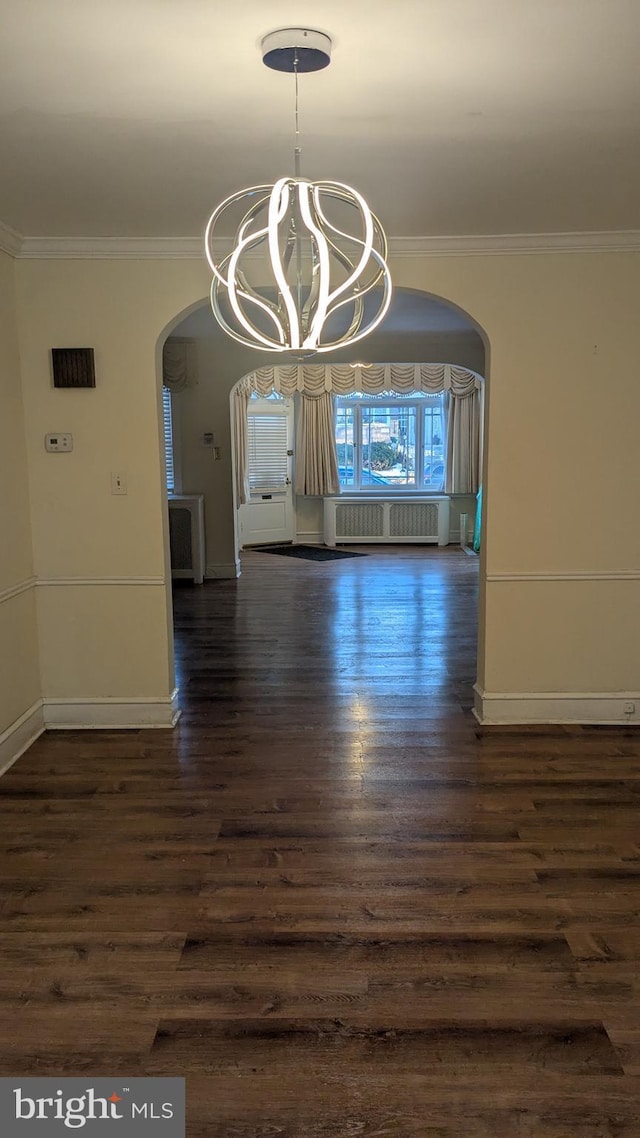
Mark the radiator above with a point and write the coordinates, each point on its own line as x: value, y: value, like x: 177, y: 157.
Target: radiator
x: 186, y: 536
x: 386, y: 520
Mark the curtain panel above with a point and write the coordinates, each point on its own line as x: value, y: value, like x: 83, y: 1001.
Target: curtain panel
x: 241, y: 398
x: 316, y: 452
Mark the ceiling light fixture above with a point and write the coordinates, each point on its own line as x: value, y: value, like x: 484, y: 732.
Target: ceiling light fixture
x: 327, y: 284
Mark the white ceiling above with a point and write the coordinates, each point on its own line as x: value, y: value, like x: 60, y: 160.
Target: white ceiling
x: 129, y: 118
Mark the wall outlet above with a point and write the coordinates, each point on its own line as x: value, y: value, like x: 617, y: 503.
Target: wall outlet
x: 629, y: 707
x: 118, y: 482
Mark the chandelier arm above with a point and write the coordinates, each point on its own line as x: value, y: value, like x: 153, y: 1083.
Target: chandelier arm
x: 208, y: 242
x: 367, y: 288
x: 234, y: 292
x: 267, y: 346
x: 384, y: 308
x: 356, y: 299
x: 356, y: 320
x: 247, y: 292
x: 372, y: 226
x: 322, y: 251
x: 362, y: 289
x: 309, y: 306
x: 278, y: 204
x: 258, y: 341
x: 377, y: 232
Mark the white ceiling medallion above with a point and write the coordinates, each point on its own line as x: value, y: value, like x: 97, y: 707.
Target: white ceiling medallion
x: 323, y: 281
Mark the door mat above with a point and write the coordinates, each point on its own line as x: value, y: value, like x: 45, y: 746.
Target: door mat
x: 309, y: 552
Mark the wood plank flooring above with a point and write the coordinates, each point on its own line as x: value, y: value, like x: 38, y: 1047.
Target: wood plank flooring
x: 329, y: 899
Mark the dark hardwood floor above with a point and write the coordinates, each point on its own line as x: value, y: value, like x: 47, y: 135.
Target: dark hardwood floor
x: 329, y: 899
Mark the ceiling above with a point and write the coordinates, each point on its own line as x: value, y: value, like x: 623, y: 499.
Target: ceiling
x: 133, y: 118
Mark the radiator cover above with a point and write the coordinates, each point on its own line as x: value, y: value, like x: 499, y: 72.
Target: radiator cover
x: 186, y: 536
x: 419, y: 520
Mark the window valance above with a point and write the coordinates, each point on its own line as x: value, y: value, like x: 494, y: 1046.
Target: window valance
x: 368, y: 379
x: 178, y: 363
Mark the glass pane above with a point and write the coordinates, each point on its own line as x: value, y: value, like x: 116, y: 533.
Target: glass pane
x: 344, y: 444
x: 434, y: 445
x: 388, y: 446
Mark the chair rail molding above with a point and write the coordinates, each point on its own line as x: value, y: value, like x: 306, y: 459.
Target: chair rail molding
x: 17, y: 589
x: 568, y: 575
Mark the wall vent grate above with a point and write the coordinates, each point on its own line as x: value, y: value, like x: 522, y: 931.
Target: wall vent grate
x: 359, y: 519
x: 413, y: 519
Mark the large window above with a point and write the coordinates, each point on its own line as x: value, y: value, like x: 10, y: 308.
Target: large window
x: 391, y: 441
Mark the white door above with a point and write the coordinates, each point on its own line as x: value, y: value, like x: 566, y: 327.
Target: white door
x: 268, y: 516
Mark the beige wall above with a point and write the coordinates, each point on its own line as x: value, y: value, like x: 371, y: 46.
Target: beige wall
x: 561, y: 543
x: 19, y: 672
x: 103, y: 602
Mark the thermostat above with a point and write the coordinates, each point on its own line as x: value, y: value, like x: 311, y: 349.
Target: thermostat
x: 58, y: 442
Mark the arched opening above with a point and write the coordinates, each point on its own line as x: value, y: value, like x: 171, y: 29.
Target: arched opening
x: 419, y: 327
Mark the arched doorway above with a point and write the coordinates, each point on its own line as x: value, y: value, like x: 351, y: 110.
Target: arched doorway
x: 419, y: 326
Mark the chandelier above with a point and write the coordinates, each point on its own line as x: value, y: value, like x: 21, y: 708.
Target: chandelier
x: 316, y: 249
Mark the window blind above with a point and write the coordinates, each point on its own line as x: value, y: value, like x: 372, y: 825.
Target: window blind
x: 168, y: 438
x: 267, y: 452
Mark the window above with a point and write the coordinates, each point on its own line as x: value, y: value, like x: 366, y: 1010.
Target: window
x: 267, y: 449
x: 167, y: 420
x: 391, y: 441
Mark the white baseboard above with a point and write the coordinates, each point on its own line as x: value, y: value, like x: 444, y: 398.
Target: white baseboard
x: 309, y: 537
x: 110, y: 714
x: 20, y: 735
x: 556, y: 707
x: 230, y: 569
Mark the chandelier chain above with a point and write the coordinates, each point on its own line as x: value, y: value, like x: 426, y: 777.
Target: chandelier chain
x: 298, y: 150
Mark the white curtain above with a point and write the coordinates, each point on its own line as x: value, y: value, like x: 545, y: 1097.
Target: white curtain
x: 240, y: 435
x: 316, y: 455
x: 463, y: 444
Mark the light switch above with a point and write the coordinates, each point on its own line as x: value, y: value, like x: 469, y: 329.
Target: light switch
x: 118, y: 482
x: 59, y: 441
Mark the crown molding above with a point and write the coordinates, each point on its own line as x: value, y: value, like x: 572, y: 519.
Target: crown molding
x: 515, y: 244
x: 10, y: 240
x: 113, y: 248
x: 191, y: 248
